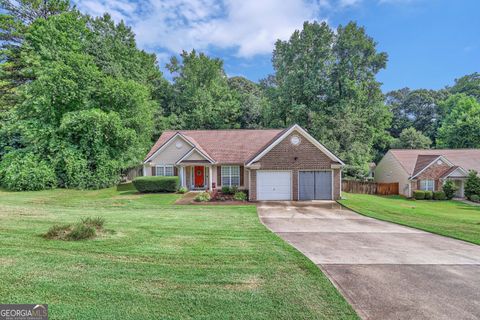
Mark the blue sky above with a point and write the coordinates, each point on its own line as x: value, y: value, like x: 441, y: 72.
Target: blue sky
x: 429, y: 42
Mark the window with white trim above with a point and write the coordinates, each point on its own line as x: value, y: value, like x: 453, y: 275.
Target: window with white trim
x: 230, y: 176
x: 428, y: 185
x: 164, y: 170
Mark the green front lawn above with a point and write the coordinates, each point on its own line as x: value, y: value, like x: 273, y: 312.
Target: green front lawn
x: 163, y: 261
x: 449, y: 218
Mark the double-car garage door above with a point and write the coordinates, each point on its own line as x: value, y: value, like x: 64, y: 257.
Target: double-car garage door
x: 277, y: 185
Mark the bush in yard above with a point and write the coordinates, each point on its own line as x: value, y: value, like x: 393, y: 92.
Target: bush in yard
x: 87, y: 228
x: 449, y: 188
x: 472, y: 185
x: 156, y: 184
x: 474, y: 198
x: 439, y: 195
x: 240, y: 196
x: 81, y: 231
x: 229, y: 190
x: 182, y: 190
x: 419, y: 195
x: 25, y: 171
x: 428, y: 195
x: 96, y: 222
x: 202, y: 197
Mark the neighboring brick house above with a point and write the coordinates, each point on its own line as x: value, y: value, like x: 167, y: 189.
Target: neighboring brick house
x: 427, y: 169
x: 284, y: 164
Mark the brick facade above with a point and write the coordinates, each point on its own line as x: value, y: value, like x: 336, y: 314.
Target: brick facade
x: 289, y: 157
x: 434, y: 172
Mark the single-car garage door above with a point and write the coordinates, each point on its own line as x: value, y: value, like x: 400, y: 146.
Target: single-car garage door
x: 274, y: 185
x: 315, y: 185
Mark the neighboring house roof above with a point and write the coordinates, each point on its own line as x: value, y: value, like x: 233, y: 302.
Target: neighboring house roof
x: 423, y: 161
x: 223, y: 146
x: 414, y: 161
x: 450, y: 171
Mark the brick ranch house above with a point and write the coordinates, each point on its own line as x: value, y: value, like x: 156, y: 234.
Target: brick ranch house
x: 427, y: 169
x: 284, y: 164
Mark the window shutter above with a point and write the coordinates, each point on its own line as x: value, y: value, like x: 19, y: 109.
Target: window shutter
x: 175, y: 171
x: 154, y: 172
x: 219, y: 176
x: 242, y: 176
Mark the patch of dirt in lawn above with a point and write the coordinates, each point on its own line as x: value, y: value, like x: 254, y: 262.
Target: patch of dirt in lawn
x: 5, y: 262
x: 131, y: 196
x: 251, y: 283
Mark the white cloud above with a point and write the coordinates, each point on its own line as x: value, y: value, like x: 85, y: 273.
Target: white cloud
x: 249, y: 27
x: 349, y: 3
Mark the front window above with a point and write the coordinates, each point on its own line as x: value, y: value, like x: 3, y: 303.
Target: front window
x: 231, y: 176
x: 427, y: 185
x: 164, y: 170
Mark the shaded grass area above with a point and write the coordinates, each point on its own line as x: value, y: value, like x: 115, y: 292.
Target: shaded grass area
x: 163, y: 262
x: 449, y: 218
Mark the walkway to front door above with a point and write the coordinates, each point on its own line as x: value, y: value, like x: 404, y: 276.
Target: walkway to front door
x: 386, y: 271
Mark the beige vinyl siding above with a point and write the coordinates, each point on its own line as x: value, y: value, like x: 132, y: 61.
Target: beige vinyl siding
x: 170, y: 155
x: 195, y: 156
x: 390, y: 170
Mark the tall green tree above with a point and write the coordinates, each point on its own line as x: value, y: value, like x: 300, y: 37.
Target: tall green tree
x: 469, y: 85
x: 411, y: 139
x: 253, y: 101
x: 326, y: 82
x: 416, y: 108
x: 202, y: 98
x: 86, y: 112
x: 461, y: 126
x: 15, y: 18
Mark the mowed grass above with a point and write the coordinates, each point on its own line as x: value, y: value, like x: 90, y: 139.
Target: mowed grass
x: 163, y: 261
x: 449, y: 218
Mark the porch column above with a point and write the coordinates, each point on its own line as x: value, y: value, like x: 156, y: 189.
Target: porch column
x: 210, y: 176
x: 182, y: 176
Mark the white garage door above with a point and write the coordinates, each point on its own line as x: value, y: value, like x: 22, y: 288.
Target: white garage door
x: 274, y: 185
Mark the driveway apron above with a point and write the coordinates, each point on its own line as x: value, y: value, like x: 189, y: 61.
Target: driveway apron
x: 385, y: 271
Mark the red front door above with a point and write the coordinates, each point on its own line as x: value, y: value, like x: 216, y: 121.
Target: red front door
x: 199, y: 176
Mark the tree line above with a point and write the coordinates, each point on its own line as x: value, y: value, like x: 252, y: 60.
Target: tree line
x: 80, y: 101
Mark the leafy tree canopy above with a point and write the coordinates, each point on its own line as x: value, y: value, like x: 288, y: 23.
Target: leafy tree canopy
x: 253, y: 102
x: 415, y: 108
x: 88, y: 107
x: 461, y: 126
x: 202, y: 98
x: 469, y: 85
x: 411, y: 139
x: 325, y: 81
x: 15, y: 18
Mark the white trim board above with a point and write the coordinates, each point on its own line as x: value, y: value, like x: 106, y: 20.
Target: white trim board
x: 191, y: 151
x: 306, y: 135
x: 459, y: 168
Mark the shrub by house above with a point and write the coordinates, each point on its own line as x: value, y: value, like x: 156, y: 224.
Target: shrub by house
x: 156, y: 184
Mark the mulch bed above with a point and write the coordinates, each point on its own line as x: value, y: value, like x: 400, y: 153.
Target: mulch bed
x: 218, y: 199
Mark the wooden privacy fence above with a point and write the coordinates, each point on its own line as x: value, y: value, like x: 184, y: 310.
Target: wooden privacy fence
x: 384, y: 189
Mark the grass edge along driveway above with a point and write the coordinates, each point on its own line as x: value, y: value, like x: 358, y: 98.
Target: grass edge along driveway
x: 164, y: 261
x: 454, y: 219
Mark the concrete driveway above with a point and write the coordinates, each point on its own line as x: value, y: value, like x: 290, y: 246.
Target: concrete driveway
x: 385, y: 271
